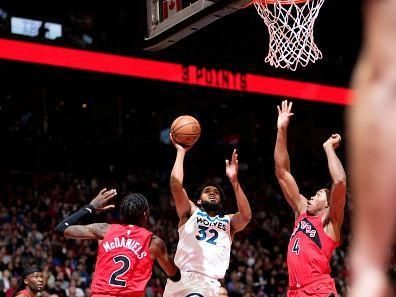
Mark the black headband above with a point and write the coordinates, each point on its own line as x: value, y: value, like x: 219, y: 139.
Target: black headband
x: 30, y: 271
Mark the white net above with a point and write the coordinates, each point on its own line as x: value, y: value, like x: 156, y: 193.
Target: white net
x: 290, y: 26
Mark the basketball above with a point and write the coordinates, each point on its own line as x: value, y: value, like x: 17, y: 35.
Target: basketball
x: 186, y: 130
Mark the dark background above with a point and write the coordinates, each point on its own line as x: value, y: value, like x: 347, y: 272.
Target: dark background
x: 42, y: 104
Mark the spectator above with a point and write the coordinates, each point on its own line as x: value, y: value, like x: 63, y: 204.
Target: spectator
x: 33, y: 281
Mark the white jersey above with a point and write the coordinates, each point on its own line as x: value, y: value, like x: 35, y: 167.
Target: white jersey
x: 204, y: 245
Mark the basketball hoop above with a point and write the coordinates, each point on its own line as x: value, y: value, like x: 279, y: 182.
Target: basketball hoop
x: 290, y: 26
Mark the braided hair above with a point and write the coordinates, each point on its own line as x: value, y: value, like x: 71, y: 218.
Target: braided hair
x: 133, y: 208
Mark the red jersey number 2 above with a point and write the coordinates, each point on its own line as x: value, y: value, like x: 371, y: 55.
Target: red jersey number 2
x: 296, y: 246
x: 126, y: 265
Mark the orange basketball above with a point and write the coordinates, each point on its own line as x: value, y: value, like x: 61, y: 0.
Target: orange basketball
x: 186, y: 130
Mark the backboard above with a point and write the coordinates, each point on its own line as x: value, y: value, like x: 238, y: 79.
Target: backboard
x: 169, y: 21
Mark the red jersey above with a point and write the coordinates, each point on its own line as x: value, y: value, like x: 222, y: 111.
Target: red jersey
x: 123, y: 264
x: 309, y: 251
x: 24, y: 292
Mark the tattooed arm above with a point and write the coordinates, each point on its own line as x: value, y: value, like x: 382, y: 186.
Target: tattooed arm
x: 92, y: 231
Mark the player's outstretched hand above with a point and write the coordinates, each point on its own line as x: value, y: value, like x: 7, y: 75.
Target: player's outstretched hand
x: 232, y: 167
x: 101, y: 200
x: 284, y: 114
x: 178, y: 146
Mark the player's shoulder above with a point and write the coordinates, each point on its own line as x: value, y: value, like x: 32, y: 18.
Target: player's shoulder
x: 157, y: 245
x: 193, y: 207
x: 226, y: 216
x: 117, y: 227
x: 99, y: 229
x: 156, y: 240
x: 103, y: 226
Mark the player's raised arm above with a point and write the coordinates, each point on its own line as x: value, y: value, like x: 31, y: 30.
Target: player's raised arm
x: 184, y: 206
x: 282, y: 161
x: 159, y: 252
x: 244, y: 214
x: 69, y: 225
x: 338, y: 177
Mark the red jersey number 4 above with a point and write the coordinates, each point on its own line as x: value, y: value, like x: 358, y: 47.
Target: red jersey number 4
x: 296, y: 246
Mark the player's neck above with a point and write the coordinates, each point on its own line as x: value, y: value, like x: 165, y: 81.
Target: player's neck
x: 315, y: 214
x: 211, y: 213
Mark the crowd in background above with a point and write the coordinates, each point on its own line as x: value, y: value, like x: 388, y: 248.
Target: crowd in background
x: 67, y: 137
x: 68, y: 134
x: 33, y: 204
x: 57, y: 162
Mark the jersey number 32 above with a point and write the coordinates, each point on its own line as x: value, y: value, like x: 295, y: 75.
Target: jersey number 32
x: 202, y: 234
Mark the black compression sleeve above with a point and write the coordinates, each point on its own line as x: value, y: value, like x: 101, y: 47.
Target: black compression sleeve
x: 74, y: 218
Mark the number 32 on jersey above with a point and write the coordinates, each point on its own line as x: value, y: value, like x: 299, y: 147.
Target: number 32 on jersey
x: 209, y: 235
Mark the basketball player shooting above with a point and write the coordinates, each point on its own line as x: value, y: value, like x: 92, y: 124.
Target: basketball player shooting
x: 318, y: 219
x: 205, y: 234
x: 125, y: 251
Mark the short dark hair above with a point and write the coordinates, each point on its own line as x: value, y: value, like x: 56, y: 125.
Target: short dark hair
x: 132, y: 208
x: 212, y: 184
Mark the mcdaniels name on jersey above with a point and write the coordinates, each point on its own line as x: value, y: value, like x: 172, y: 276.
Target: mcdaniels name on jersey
x: 128, y: 243
x: 309, y: 230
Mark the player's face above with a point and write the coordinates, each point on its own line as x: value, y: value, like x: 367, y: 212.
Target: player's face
x: 317, y: 203
x: 35, y: 281
x: 210, y: 199
x: 211, y: 194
